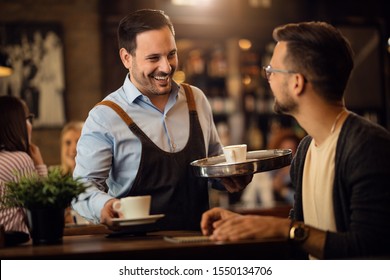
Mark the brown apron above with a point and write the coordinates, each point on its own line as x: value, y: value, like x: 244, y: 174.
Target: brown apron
x: 168, y: 178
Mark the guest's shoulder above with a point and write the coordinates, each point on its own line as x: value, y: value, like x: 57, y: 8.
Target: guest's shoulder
x: 361, y: 137
x: 359, y: 129
x: 15, y: 156
x: 16, y: 160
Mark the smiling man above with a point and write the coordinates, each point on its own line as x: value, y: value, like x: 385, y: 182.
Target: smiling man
x: 141, y: 138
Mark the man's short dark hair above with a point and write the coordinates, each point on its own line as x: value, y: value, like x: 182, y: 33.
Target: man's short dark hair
x: 321, y: 53
x: 138, y: 22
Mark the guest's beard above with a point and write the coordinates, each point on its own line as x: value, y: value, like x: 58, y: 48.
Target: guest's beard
x: 287, y: 106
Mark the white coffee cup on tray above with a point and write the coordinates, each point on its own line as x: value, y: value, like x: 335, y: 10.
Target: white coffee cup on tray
x: 133, y: 207
x: 235, y: 153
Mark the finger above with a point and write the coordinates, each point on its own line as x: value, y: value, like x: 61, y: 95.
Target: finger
x: 218, y: 224
x: 229, y: 185
x: 240, y: 182
x: 236, y: 183
x: 111, y: 226
x: 207, y: 220
x: 206, y: 227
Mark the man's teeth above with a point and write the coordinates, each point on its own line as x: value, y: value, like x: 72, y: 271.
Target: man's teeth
x: 161, y: 78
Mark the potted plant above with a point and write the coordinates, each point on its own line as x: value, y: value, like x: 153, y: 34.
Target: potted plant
x: 45, y: 198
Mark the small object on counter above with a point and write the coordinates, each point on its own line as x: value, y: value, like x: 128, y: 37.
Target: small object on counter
x: 187, y: 239
x: 12, y: 238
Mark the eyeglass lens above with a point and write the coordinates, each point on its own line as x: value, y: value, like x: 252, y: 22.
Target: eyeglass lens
x: 266, y: 73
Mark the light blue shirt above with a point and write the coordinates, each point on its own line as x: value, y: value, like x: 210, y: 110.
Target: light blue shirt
x: 108, y: 153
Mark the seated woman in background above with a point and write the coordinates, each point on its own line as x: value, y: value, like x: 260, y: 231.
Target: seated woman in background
x: 273, y: 187
x: 18, y: 156
x: 70, y: 135
x: 281, y: 180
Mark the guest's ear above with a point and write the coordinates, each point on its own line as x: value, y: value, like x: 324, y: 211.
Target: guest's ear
x: 299, y: 83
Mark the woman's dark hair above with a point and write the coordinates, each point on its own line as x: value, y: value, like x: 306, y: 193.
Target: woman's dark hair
x: 138, y: 22
x: 13, y: 127
x: 321, y: 53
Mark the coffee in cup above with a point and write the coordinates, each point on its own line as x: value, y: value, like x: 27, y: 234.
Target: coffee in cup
x: 133, y: 207
x: 235, y: 153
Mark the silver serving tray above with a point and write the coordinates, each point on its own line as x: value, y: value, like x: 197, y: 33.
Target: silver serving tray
x: 256, y: 161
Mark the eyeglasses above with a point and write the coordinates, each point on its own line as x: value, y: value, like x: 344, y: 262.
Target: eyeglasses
x: 268, y: 70
x: 30, y: 118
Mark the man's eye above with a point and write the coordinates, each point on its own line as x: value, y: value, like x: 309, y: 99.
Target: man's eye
x: 153, y: 58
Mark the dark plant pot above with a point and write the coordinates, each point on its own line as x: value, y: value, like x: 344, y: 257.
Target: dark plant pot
x: 46, y: 225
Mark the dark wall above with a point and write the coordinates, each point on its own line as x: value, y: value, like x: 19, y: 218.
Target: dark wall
x: 367, y: 26
x: 80, y: 21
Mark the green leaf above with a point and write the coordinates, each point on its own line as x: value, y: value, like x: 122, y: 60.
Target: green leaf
x: 33, y: 191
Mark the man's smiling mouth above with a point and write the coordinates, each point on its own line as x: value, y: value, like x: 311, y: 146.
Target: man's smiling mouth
x: 161, y: 78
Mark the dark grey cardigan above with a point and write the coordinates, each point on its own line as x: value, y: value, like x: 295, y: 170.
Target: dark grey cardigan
x: 361, y: 193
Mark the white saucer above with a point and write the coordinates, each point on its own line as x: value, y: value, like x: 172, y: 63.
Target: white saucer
x: 137, y: 221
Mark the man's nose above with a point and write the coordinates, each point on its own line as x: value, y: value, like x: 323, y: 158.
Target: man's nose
x: 165, y: 66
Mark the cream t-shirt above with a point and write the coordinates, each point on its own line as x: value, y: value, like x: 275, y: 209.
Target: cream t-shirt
x: 318, y: 182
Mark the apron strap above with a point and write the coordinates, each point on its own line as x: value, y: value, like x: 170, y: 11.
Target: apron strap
x: 190, y: 97
x: 125, y: 117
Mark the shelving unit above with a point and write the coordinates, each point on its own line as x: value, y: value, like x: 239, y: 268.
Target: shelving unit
x: 231, y: 78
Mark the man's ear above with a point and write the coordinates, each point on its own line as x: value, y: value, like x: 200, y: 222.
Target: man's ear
x: 299, y: 83
x: 125, y: 57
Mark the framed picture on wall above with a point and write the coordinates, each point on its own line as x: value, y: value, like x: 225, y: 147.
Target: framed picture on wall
x: 36, y: 52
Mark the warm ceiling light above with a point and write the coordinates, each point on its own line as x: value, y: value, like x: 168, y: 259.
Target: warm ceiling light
x: 179, y: 77
x: 245, y: 44
x: 247, y: 80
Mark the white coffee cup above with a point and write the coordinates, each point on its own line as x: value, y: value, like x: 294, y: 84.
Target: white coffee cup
x: 133, y: 207
x: 235, y: 153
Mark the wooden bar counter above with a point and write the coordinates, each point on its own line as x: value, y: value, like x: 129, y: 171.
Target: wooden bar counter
x: 96, y: 242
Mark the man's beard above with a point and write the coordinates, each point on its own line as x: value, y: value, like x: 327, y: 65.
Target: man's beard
x: 287, y: 107
x: 146, y: 84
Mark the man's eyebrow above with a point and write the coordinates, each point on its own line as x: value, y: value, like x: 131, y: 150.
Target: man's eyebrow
x: 158, y: 54
x: 152, y: 55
